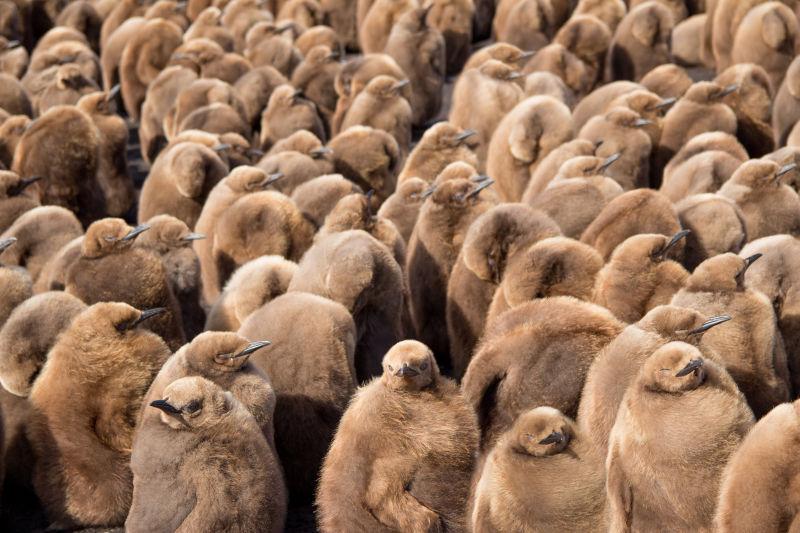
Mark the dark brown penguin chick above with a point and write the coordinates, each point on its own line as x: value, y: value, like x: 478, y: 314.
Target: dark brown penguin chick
x: 241, y: 15
x: 340, y: 16
x: 112, y: 164
x: 171, y: 10
x: 419, y: 49
x: 13, y: 58
x: 12, y: 23
x: 548, y: 167
x: 207, y: 25
x: 399, y: 480
x: 766, y: 36
x: 62, y: 147
x: 640, y: 276
x: 11, y: 132
x: 47, y: 60
x: 255, y: 89
x: 559, y: 60
x: 180, y: 181
x: 170, y: 240
x: 356, y: 270
x: 527, y: 24
x: 542, y: 449
x: 597, y: 102
x: 588, y: 38
x: 86, y: 400
x: 622, y: 132
x: 514, y: 367
x: 769, y: 207
x: 215, y: 118
x: 317, y: 197
x: 629, y: 214
x: 287, y: 112
x: 382, y: 16
x: 253, y: 285
x: 315, y: 77
x: 53, y: 276
x: 57, y: 35
x: 481, y: 98
x: 667, y: 81
x: 161, y: 96
x: 640, y: 43
x: 82, y: 16
x: 503, y: 52
x: 304, y: 13
x: 311, y: 368
x: 706, y: 142
x: 67, y: 87
x: 368, y: 157
x: 267, y: 44
x: 705, y: 172
x: 785, y: 106
x: 609, y: 11
x: 677, y: 393
x: 40, y: 233
x: 440, y: 145
x: 319, y: 36
x: 204, y: 426
x: 545, y: 83
x: 433, y: 250
x: 110, y: 269
x: 15, y: 282
x: 403, y: 206
x: 14, y: 200
x: 145, y: 55
x: 751, y: 347
x: 23, y: 354
x: 530, y: 131
x: 453, y: 19
x: 752, y: 104
x: 492, y: 242
x: 200, y: 93
x: 717, y: 226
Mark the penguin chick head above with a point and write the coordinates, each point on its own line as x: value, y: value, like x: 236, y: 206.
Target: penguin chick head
x: 167, y: 233
x: 109, y: 321
x: 675, y: 367
x: 415, y: 20
x: 542, y: 432
x: 708, y: 92
x: 193, y: 403
x: 626, y: 118
x: 458, y: 170
x: 208, y: 17
x: 285, y: 97
x: 409, y: 366
x: 507, y: 53
x: 459, y: 193
x: 499, y: 71
x: 447, y: 136
x: 586, y: 166
x: 245, y: 179
x: 109, y: 235
x: 12, y: 184
x: 648, y: 249
x: 763, y: 174
x: 354, y: 211
x: 197, y: 52
x: 721, y: 273
x: 99, y: 102
x: 680, y: 323
x: 69, y: 76
x: 385, y: 87
x: 321, y: 55
x: 217, y: 352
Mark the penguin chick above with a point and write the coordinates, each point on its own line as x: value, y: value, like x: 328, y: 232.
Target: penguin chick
x: 203, y: 425
x: 440, y: 145
x: 706, y: 142
x: 111, y: 52
x: 67, y: 87
x: 14, y: 201
x: 382, y: 16
x: 529, y: 132
x: 255, y: 89
x: 717, y: 226
x: 13, y: 58
x: 515, y: 366
x: 705, y: 172
x: 667, y: 81
x: 162, y: 94
x: 751, y: 347
x: 559, y: 60
x: 315, y: 78
x: 784, y: 113
x: 368, y: 157
x: 394, y: 479
x: 295, y: 167
x: 11, y: 131
x: 769, y: 207
x: 200, y: 93
x: 629, y: 214
x: 54, y: 272
x: 317, y: 197
x: 215, y: 118
x: 311, y: 368
x: 649, y: 106
x: 239, y: 16
x: 548, y: 84
x: 504, y: 52
x: 752, y: 104
x: 111, y: 269
x: 491, y: 243
x: 180, y: 181
x: 357, y: 271
x: 609, y: 11
x: 542, y: 449
x: 453, y: 18
x: 676, y: 385
x: 548, y: 167
x: 640, y: 276
x: 319, y: 35
x: 588, y: 38
x: 207, y: 25
x: 403, y: 206
x: 597, y: 102
x: 287, y: 112
x: 15, y: 282
x: 641, y: 42
x: 268, y: 45
x: 86, y: 400
x: 527, y: 24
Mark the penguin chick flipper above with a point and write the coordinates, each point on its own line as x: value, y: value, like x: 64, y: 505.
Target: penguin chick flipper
x: 390, y: 502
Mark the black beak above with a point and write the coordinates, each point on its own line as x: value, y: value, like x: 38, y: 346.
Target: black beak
x: 482, y: 185
x: 112, y: 93
x: 12, y: 44
x: 193, y: 237
x: 515, y: 75
x: 747, y: 262
x: 427, y: 192
x: 464, y: 135
x: 399, y: 85
x: 526, y: 55
x: 479, y: 178
x: 22, y: 185
x: 135, y: 232
x: 148, y: 314
x: 5, y: 243
x: 610, y: 160
x: 165, y: 406
x: 672, y: 242
x: 553, y: 438
x: 255, y: 152
x: 316, y: 153
x: 710, y: 323
x: 406, y: 371
x: 335, y: 54
x: 785, y: 169
x: 728, y: 90
x: 641, y: 122
x: 250, y: 348
x: 693, y: 365
x: 272, y: 178
x: 665, y: 103
x: 221, y: 147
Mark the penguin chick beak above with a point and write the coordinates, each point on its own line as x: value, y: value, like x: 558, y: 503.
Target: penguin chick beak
x: 464, y: 135
x: 710, y: 323
x: 514, y: 75
x: 397, y: 87
x: 12, y: 44
x: 671, y: 244
x: 135, y: 232
x: 249, y: 349
x: 747, y: 262
x: 6, y: 243
x: 785, y: 169
x: 272, y: 178
x: 193, y: 237
x: 316, y: 153
x: 692, y: 366
x: 164, y: 405
x: 610, y: 160
x: 482, y: 185
x: 221, y: 147
x: 147, y: 314
x: 23, y: 184
x: 728, y: 90
x: 555, y: 437
x: 334, y: 55
x: 479, y: 178
x: 406, y: 371
x: 427, y: 192
x: 664, y: 104
x: 255, y: 152
x: 526, y: 55
x: 641, y: 122
x: 283, y: 27
x: 112, y: 93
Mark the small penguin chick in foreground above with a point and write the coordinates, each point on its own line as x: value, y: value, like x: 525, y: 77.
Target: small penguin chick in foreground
x: 383, y: 476
x: 441, y: 144
x: 13, y: 199
x: 678, y: 393
x: 204, y: 441
x: 542, y: 449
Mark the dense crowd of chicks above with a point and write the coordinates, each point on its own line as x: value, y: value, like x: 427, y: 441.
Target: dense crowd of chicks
x: 573, y: 305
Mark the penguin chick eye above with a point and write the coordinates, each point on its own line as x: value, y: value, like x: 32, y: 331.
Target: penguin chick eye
x: 423, y: 366
x: 192, y: 407
x: 391, y: 369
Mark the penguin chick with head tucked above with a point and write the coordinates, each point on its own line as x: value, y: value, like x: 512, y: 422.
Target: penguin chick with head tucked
x: 370, y: 158
x: 641, y: 42
x: 317, y: 197
x: 717, y: 226
x: 288, y: 111
x: 14, y: 200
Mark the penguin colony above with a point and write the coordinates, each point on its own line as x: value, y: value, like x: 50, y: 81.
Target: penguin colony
x: 400, y: 265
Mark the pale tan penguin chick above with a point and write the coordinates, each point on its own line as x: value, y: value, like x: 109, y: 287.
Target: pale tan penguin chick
x: 381, y: 17
x: 641, y: 42
x: 316, y: 197
x: 288, y: 111
x: 207, y: 25
x: 667, y: 81
x: 527, y: 24
x: 440, y: 145
x: 717, y: 226
x: 503, y: 52
x: 548, y: 167
x: 371, y: 158
x: 712, y: 141
x: 705, y: 172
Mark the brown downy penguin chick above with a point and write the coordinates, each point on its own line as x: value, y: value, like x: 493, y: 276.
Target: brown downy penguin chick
x: 609, y: 11
x: 750, y: 347
x: 548, y: 167
x: 542, y: 450
x: 767, y: 36
x: 529, y: 132
x: 707, y: 142
x: 170, y: 240
x: 67, y: 87
x: 705, y: 172
x: 649, y: 106
x: 556, y: 266
x: 200, y: 93
x: 403, y: 206
x: 768, y: 205
x: 752, y: 104
x: 13, y: 58
x: 300, y: 158
x: 440, y: 145
x: 785, y: 106
x: 241, y: 15
x: 121, y: 12
x: 453, y: 18
x: 311, y: 368
x: 111, y: 53
x: 537, y: 353
x: 255, y: 89
x: 622, y: 132
x: 667, y: 81
x: 490, y: 245
x: 640, y: 43
x: 317, y: 197
x: 287, y: 112
x: 597, y: 102
x: 432, y: 252
x: 62, y: 147
x: 341, y: 17
x: 640, y: 276
x: 253, y: 285
x: 39, y: 234
x: 419, y: 49
x: 678, y: 393
x: 382, y: 16
x: 145, y: 55
x: 406, y: 476
x: 545, y: 83
x: 201, y: 425
x: 357, y: 271
x: 162, y: 94
x: 207, y: 25
x: 54, y: 273
x: 215, y: 118
x: 319, y: 36
x: 14, y: 201
x: 267, y: 44
x: 304, y: 13
x: 504, y: 52
x: 629, y: 214
x: 616, y: 366
x: 15, y: 282
x: 527, y: 24
x: 588, y: 38
x: 481, y: 98
x: 180, y: 181
x: 315, y: 77
x: 368, y: 157
x: 11, y: 131
x: 86, y: 400
x: 112, y: 167
x: 559, y: 60
x: 717, y: 226
x: 111, y: 269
